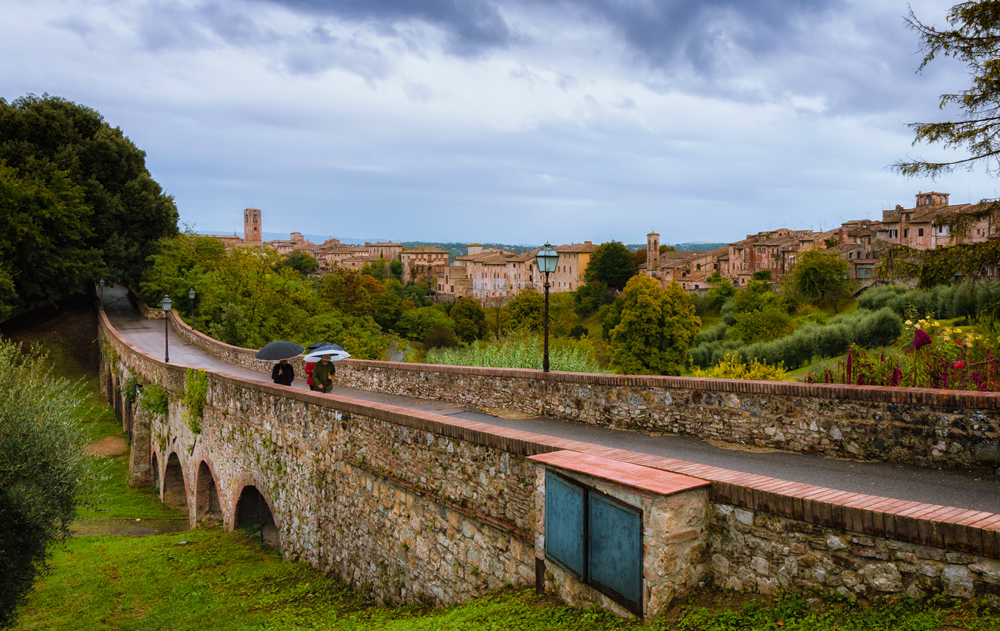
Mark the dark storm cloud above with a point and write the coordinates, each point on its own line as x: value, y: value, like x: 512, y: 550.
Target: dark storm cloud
x: 470, y: 25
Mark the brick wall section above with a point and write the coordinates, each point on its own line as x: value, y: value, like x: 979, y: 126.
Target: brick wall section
x: 414, y: 493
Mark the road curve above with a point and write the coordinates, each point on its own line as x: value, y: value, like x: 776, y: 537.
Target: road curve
x: 976, y: 491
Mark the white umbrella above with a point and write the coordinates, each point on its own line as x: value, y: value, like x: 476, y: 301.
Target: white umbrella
x: 336, y: 354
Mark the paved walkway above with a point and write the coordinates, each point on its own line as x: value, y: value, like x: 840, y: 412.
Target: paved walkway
x: 932, y: 486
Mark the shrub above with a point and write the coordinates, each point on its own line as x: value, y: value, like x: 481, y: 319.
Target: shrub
x: 761, y: 325
x: 195, y: 397
x: 833, y: 340
x: 880, y: 328
x: 732, y: 366
x: 712, y: 333
x: 155, y: 400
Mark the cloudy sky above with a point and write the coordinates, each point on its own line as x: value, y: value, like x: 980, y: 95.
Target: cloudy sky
x: 503, y: 120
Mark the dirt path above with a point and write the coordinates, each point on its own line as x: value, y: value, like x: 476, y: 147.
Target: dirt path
x: 107, y: 446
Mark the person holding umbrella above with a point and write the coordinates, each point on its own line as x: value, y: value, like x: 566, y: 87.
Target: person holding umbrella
x: 283, y: 373
x: 281, y: 351
x: 323, y: 372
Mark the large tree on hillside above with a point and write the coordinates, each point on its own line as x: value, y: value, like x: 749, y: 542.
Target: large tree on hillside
x: 973, y: 37
x: 45, y: 136
x: 612, y: 264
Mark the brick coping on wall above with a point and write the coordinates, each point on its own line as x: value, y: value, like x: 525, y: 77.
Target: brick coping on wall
x: 637, y: 476
x: 974, y: 532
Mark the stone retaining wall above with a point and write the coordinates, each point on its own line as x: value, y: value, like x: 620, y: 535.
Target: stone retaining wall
x: 757, y: 551
x: 908, y: 425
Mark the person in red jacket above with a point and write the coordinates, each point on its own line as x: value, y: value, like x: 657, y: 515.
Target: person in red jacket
x: 309, y: 375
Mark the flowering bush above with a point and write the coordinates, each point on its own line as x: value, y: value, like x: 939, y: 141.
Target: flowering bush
x: 733, y: 367
x: 938, y: 357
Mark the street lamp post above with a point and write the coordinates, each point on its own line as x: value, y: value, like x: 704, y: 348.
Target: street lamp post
x: 547, y: 259
x: 166, y: 303
x: 101, y: 283
x: 191, y: 301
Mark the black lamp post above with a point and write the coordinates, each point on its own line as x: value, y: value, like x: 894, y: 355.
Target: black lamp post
x: 191, y: 302
x: 101, y: 283
x: 166, y: 303
x: 547, y: 258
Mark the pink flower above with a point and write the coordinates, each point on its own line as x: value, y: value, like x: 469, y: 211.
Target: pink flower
x: 920, y: 339
x: 959, y: 364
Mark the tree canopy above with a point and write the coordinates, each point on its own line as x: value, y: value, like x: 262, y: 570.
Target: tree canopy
x: 650, y: 328
x: 612, y: 264
x: 820, y: 277
x: 79, y: 187
x: 972, y: 37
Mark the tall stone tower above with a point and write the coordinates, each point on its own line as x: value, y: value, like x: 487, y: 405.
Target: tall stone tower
x: 652, y: 253
x: 251, y: 226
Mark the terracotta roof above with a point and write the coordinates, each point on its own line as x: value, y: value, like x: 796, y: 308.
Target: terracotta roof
x: 426, y: 249
x: 576, y: 247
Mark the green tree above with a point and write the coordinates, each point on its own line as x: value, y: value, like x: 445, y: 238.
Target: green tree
x: 820, y: 277
x: 301, y: 261
x: 612, y: 264
x: 129, y: 212
x: 763, y: 275
x: 352, y: 292
x: 43, y: 470
x: 525, y: 311
x: 761, y: 325
x: 589, y: 297
x: 651, y: 328
x: 44, y: 228
x: 396, y: 269
x: 973, y: 37
x: 417, y: 324
x: 470, y: 320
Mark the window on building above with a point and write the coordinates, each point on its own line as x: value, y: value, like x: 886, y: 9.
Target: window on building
x: 906, y: 233
x: 920, y: 232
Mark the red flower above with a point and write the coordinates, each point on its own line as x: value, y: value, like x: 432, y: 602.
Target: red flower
x: 959, y: 342
x: 959, y: 364
x: 920, y: 339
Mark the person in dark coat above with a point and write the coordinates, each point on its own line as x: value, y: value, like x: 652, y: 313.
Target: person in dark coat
x: 323, y: 374
x: 283, y: 373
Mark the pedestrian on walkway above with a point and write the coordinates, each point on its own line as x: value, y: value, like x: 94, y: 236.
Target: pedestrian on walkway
x: 323, y: 373
x: 283, y: 373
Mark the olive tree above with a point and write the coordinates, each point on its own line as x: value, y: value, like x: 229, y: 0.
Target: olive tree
x: 43, y: 469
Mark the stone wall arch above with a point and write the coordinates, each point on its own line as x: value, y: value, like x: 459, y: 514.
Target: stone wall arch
x: 174, y: 491
x: 207, y: 505
x: 253, y: 514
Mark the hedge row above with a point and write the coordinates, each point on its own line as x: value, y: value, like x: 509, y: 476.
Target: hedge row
x: 870, y: 329
x: 943, y: 301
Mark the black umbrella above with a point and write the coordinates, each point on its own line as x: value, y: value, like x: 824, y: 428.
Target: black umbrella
x: 276, y: 351
x: 316, y: 345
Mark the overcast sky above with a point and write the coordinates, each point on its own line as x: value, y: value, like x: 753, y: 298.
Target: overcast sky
x: 503, y: 120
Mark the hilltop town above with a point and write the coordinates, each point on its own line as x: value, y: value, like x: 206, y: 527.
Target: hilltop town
x: 490, y: 274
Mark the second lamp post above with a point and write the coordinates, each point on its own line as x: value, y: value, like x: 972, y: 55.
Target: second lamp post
x: 547, y: 259
x: 166, y: 303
